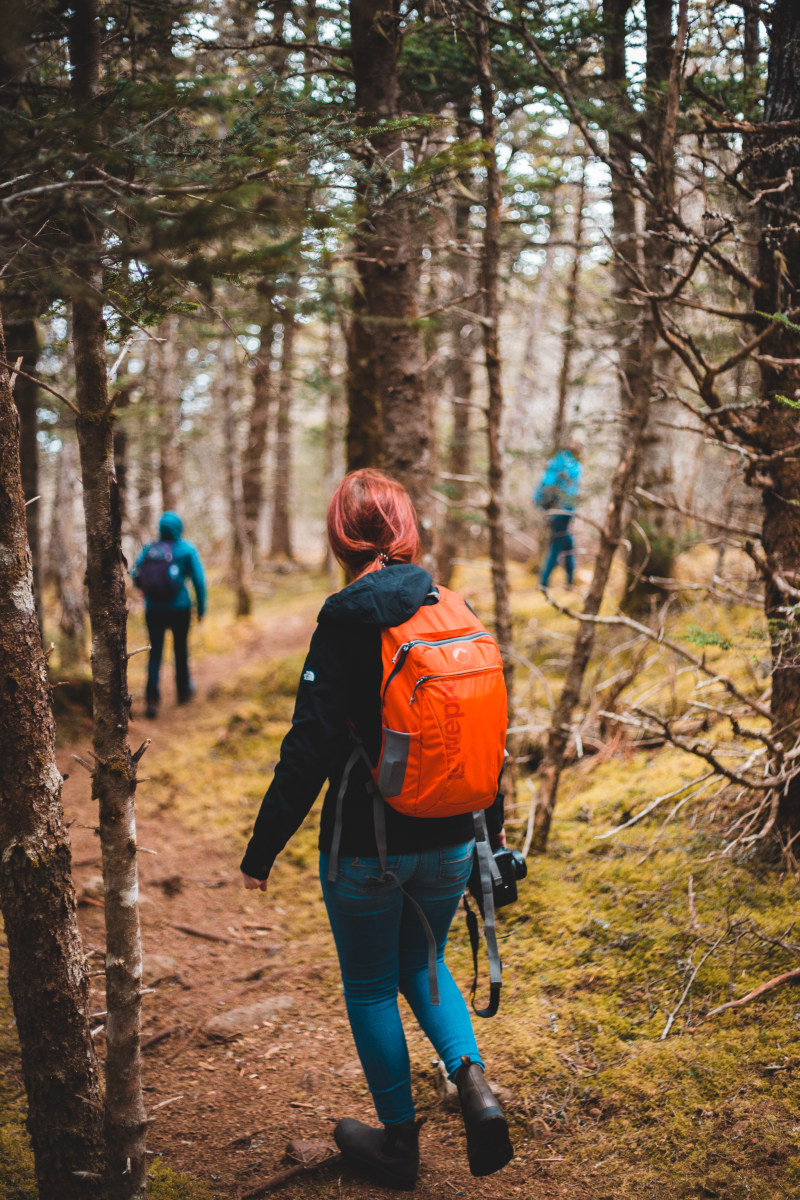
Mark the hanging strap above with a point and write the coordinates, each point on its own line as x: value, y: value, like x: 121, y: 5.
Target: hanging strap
x: 488, y: 872
x: 336, y: 841
x: 379, y: 813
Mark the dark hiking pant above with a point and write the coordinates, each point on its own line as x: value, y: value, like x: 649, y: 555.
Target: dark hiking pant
x: 177, y: 620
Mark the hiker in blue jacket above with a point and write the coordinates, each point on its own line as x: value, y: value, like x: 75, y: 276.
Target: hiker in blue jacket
x: 557, y: 495
x: 161, y: 572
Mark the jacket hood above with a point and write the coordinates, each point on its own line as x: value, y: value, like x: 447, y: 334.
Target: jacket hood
x: 386, y: 597
x: 170, y: 527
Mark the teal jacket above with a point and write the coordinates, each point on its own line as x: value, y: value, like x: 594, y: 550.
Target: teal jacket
x: 170, y: 529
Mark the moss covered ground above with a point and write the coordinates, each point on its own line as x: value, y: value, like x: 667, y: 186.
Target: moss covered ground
x: 619, y: 945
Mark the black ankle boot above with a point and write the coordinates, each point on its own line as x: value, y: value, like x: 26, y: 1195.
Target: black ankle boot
x: 488, y: 1144
x: 389, y: 1156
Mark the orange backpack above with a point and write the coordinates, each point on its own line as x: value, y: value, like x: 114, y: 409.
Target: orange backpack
x: 444, y: 712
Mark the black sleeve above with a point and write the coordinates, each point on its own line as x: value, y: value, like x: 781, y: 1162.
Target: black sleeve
x: 319, y: 728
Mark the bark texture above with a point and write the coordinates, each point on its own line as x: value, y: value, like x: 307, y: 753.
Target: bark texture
x: 47, y: 977
x: 386, y: 389
x: 775, y: 173
x: 65, y: 572
x: 114, y: 777
x: 255, y: 450
x: 169, y: 406
x: 490, y: 266
x: 281, y: 538
x: 22, y: 341
x: 240, y: 550
x: 569, y: 340
x: 464, y: 341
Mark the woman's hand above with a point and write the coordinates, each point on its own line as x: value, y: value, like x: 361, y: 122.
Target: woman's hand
x: 252, y: 885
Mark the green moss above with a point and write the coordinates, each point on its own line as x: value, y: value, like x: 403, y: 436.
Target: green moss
x: 165, y: 1184
x: 17, y: 1179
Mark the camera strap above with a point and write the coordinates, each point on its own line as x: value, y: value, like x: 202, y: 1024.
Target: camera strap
x: 488, y: 873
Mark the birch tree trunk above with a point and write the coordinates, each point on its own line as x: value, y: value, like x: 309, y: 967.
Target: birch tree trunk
x: 114, y: 776
x: 490, y: 264
x: 22, y: 338
x: 47, y: 977
x: 281, y: 539
x: 62, y: 567
x: 386, y: 388
x: 240, y: 550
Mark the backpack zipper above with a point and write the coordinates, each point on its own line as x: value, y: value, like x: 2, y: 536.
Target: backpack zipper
x: 455, y: 675
x: 402, y: 651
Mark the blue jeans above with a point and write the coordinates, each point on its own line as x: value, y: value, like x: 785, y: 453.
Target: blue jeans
x: 561, y: 547
x: 383, y: 950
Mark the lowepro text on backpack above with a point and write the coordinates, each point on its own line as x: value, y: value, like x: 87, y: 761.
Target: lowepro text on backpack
x: 159, y: 575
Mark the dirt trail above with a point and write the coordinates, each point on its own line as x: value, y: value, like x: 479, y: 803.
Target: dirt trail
x: 293, y: 1071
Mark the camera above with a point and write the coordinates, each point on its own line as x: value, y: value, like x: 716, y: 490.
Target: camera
x: 511, y: 865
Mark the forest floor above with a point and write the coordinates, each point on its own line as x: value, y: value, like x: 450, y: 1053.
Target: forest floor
x: 614, y: 1086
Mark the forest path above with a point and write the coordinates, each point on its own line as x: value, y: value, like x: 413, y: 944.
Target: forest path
x: 291, y: 1071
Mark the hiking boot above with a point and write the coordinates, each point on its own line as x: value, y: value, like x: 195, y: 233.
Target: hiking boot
x: 151, y: 709
x: 488, y: 1144
x: 189, y: 694
x: 389, y: 1156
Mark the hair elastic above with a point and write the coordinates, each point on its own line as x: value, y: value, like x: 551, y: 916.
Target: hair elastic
x: 383, y: 557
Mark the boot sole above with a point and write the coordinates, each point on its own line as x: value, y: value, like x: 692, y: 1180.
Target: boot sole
x: 489, y: 1146
x: 372, y: 1170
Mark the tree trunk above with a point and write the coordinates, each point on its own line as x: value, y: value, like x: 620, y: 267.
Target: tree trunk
x: 332, y: 442
x: 464, y: 339
x: 385, y: 373
x: 255, y: 449
x: 636, y: 378
x: 114, y: 776
x: 490, y: 265
x: 569, y: 340
x: 281, y: 539
x: 240, y: 550
x: 653, y: 536
x: 62, y: 568
x: 169, y: 406
x: 775, y: 176
x: 22, y: 340
x: 47, y: 977
x: 122, y: 400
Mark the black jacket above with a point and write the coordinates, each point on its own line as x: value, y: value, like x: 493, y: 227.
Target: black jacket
x: 340, y: 683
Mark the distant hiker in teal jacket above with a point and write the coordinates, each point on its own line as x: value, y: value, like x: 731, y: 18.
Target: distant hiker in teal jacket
x: 161, y: 572
x: 557, y: 495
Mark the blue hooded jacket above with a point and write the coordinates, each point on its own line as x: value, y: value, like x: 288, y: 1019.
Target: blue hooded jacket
x: 170, y: 529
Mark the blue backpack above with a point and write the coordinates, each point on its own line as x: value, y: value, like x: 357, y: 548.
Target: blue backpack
x: 159, y: 575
